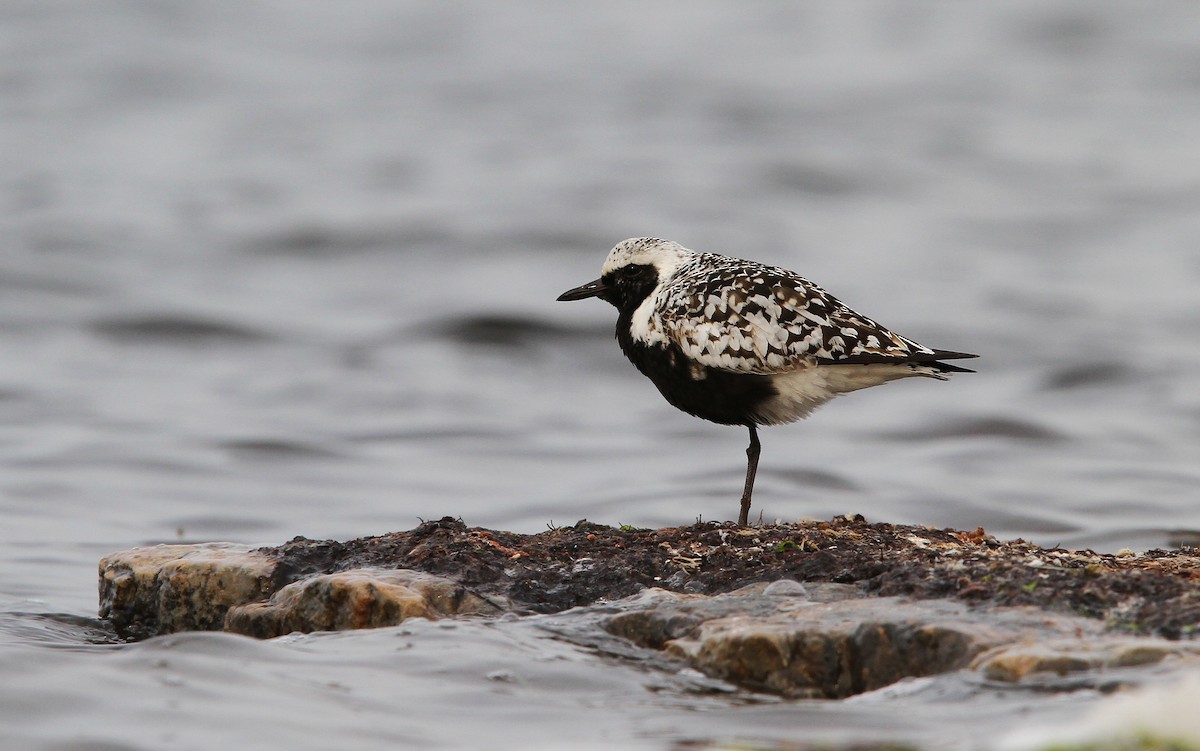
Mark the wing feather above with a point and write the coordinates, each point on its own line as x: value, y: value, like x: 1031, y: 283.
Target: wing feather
x: 746, y: 317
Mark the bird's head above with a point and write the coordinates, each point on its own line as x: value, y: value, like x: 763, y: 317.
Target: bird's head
x: 631, y: 272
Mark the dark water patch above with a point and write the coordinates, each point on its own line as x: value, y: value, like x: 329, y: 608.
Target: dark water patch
x: 1183, y: 538
x: 1069, y: 34
x: 426, y: 435
x: 500, y: 330
x: 92, y: 744
x: 811, y: 180
x: 318, y: 241
x: 1084, y: 375
x: 1028, y: 514
x: 814, y: 478
x: 1132, y: 477
x: 983, y: 427
x: 395, y: 174
x: 744, y: 116
x: 193, y: 530
x: 58, y: 630
x: 21, y: 282
x: 563, y: 242
x: 182, y: 329
x: 275, y: 449
x: 1034, y: 234
x: 166, y: 465
x: 82, y: 239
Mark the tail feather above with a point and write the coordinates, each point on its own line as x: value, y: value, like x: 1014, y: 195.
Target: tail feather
x: 945, y: 354
x: 944, y: 367
x: 935, y: 360
x: 932, y: 359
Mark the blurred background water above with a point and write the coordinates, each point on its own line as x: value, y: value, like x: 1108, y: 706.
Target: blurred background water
x: 289, y: 268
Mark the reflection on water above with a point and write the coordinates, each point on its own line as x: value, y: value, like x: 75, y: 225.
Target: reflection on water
x: 270, y: 272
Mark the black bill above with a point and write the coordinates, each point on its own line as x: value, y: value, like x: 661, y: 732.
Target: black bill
x: 591, y: 289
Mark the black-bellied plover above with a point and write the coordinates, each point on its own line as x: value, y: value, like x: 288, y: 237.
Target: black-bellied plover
x: 741, y: 343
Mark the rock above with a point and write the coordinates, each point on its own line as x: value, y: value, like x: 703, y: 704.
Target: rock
x: 827, y: 609
x: 565, y: 567
x: 1015, y: 662
x: 569, y: 566
x: 150, y: 591
x: 662, y: 616
x: 361, y: 598
x: 168, y: 588
x: 832, y: 643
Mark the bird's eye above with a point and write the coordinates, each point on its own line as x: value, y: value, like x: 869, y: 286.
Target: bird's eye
x: 631, y: 272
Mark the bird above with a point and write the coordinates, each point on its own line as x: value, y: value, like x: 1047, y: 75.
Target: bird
x: 739, y: 342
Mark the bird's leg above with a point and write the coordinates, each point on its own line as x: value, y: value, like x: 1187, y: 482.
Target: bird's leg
x: 752, y: 452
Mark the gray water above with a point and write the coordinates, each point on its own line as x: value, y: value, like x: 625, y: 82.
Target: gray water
x: 289, y: 268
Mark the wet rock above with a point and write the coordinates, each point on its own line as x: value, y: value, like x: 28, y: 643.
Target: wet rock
x: 168, y: 588
x: 360, y: 598
x: 661, y: 616
x: 830, y: 641
x: 1016, y: 662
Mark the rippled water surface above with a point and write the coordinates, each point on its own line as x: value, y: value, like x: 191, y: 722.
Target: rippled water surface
x: 289, y: 268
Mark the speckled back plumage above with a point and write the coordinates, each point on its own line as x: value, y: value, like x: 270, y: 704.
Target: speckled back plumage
x: 748, y: 317
x: 745, y: 316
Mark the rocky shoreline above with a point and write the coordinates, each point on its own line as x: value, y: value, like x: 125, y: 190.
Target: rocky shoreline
x: 815, y: 609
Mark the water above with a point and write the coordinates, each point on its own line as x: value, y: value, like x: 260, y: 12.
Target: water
x: 290, y: 268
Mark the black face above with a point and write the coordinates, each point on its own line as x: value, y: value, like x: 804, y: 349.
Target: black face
x: 629, y: 285
x: 625, y: 288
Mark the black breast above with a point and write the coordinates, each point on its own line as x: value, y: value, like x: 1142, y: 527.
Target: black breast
x: 717, y: 395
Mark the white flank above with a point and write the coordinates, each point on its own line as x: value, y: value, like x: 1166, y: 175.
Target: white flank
x: 806, y: 388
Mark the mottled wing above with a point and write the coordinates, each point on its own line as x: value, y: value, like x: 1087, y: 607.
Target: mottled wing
x: 746, y: 317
